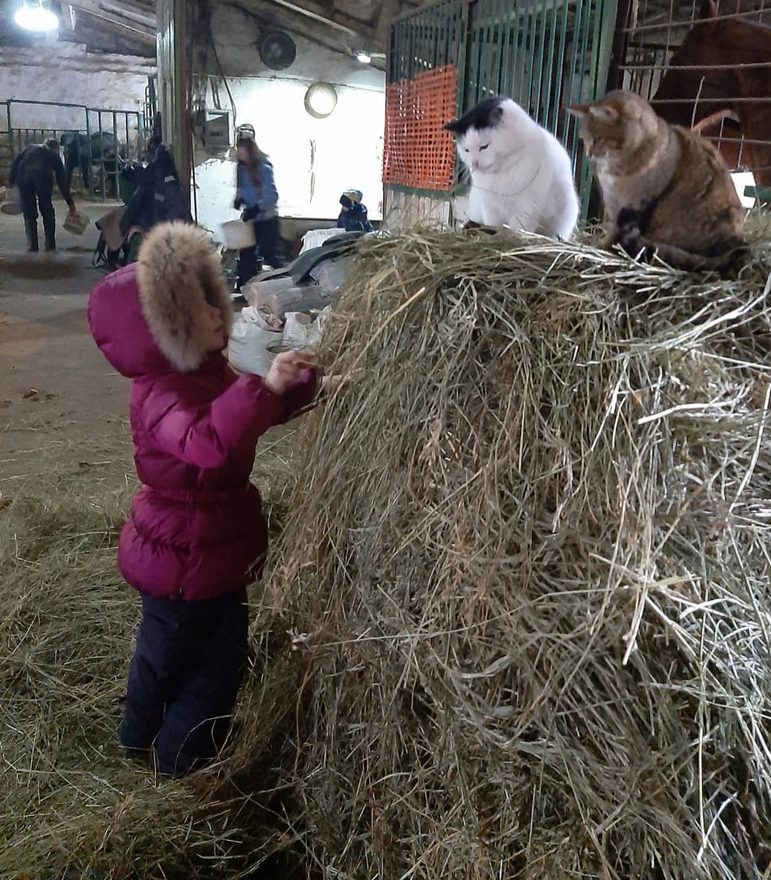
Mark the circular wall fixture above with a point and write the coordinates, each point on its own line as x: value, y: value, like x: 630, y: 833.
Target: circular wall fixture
x: 277, y: 50
x: 320, y: 99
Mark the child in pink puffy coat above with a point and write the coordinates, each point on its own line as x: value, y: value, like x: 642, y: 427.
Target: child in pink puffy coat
x: 196, y: 535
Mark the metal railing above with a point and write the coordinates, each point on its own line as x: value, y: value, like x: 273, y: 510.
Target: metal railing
x: 712, y: 73
x: 546, y: 54
x: 97, y: 145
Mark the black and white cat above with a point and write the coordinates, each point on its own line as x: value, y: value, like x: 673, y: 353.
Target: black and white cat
x: 521, y: 176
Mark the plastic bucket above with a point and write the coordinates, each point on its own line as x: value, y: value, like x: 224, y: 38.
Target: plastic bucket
x: 237, y: 235
x: 76, y: 223
x: 10, y: 201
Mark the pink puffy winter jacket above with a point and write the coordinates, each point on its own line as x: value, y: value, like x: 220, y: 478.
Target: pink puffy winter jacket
x: 196, y: 528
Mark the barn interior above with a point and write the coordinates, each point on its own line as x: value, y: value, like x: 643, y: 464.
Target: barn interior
x: 381, y: 732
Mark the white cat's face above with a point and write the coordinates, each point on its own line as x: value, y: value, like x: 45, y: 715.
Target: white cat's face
x: 477, y: 148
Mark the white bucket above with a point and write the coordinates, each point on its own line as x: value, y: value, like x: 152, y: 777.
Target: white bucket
x: 10, y: 200
x: 237, y: 235
x: 76, y: 223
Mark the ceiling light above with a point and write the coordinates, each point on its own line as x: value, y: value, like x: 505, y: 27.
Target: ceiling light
x: 364, y: 57
x: 33, y: 16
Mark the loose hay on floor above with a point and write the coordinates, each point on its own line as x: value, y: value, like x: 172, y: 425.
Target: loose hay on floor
x: 528, y: 569
x: 71, y: 805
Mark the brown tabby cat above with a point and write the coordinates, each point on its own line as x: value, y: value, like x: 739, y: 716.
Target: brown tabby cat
x: 664, y: 188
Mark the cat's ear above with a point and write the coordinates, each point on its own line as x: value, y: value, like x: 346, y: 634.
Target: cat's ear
x: 453, y: 127
x: 600, y: 112
x: 496, y: 114
x: 579, y: 110
x: 604, y: 113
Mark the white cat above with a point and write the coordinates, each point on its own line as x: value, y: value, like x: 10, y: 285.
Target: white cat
x: 520, y: 173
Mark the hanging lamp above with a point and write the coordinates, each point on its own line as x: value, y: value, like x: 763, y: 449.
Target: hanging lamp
x: 32, y: 15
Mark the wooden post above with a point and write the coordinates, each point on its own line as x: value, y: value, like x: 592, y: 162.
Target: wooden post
x: 174, y: 85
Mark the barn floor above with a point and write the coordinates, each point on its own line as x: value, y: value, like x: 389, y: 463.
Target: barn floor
x: 66, y: 475
x: 62, y: 409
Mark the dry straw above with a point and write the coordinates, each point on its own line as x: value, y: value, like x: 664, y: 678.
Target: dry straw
x: 525, y: 578
x: 71, y: 806
x: 527, y: 569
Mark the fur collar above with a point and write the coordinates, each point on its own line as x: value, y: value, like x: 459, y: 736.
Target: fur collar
x: 177, y: 271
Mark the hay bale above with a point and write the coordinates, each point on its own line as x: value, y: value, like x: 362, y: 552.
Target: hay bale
x: 528, y: 568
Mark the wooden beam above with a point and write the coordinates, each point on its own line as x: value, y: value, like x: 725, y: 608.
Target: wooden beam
x: 93, y: 8
x: 316, y: 12
x: 389, y: 9
x: 174, y: 84
x: 125, y: 11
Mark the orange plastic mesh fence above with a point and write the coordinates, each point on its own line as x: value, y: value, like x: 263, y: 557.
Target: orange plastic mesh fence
x: 418, y: 152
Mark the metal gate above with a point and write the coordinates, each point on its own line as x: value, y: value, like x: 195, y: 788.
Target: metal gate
x: 706, y: 65
x: 545, y: 54
x: 105, y: 138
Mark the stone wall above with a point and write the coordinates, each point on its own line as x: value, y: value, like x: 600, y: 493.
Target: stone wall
x: 65, y: 73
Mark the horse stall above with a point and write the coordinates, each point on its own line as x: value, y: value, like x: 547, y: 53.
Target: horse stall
x: 95, y: 142
x: 447, y: 56
x: 706, y: 65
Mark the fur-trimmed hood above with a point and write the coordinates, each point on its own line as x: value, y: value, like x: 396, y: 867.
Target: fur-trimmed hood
x: 145, y: 317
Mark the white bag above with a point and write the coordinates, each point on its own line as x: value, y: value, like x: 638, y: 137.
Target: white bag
x: 302, y: 333
x: 332, y: 274
x: 249, y: 341
x: 316, y: 237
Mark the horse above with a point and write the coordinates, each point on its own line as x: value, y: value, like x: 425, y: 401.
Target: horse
x: 722, y: 77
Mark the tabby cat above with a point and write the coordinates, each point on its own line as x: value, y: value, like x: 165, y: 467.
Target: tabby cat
x: 664, y: 188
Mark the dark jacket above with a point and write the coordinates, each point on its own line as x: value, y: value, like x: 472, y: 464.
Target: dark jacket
x: 353, y: 217
x: 196, y: 528
x: 35, y: 161
x: 157, y: 196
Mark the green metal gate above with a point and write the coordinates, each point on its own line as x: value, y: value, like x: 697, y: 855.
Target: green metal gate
x: 129, y: 128
x: 545, y: 54
x: 427, y: 39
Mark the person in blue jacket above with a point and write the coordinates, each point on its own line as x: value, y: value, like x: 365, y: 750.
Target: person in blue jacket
x: 256, y: 193
x: 353, y: 214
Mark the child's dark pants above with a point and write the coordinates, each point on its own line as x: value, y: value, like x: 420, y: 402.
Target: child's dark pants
x: 189, y: 661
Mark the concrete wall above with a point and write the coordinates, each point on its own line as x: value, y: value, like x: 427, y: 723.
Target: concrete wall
x: 314, y: 159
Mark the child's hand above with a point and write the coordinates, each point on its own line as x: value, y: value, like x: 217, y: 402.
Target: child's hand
x: 285, y: 369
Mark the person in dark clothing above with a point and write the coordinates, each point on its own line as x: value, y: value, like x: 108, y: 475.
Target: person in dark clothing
x: 256, y: 194
x: 157, y: 195
x: 353, y: 214
x: 33, y: 172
